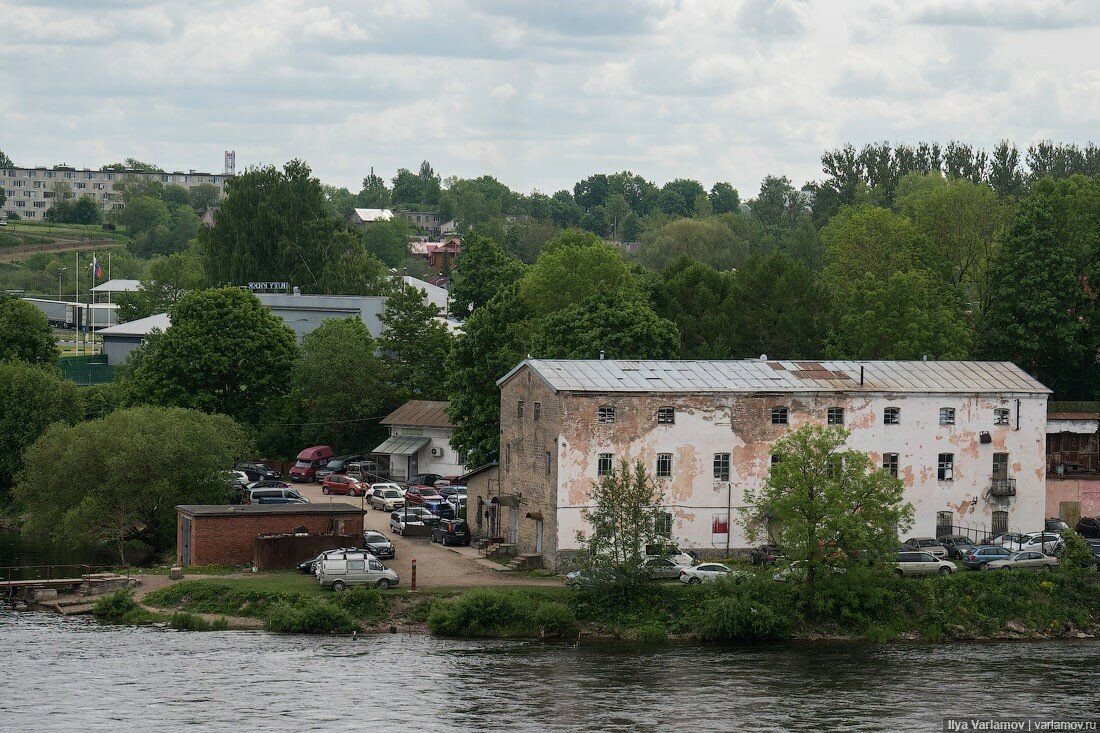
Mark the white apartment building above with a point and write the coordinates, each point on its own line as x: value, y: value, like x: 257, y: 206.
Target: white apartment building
x: 30, y: 191
x: 967, y: 439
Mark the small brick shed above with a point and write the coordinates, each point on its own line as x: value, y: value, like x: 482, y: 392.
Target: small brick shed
x: 209, y: 534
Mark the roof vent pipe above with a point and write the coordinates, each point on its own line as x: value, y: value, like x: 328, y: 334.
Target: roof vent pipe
x: 924, y: 357
x: 860, y: 375
x: 763, y: 357
x: 601, y: 354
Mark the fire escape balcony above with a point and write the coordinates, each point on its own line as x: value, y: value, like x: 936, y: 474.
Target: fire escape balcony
x: 1002, y: 487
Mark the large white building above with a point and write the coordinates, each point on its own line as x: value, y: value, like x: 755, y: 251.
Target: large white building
x: 30, y: 191
x: 965, y: 438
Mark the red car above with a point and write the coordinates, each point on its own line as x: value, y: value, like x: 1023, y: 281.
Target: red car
x: 339, y: 484
x: 417, y: 495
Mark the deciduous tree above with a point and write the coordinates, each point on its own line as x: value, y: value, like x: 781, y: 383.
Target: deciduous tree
x: 25, y: 333
x: 484, y: 269
x: 416, y: 344
x: 32, y: 397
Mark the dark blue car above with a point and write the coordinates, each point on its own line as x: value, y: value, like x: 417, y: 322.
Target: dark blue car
x: 440, y: 508
x: 979, y: 557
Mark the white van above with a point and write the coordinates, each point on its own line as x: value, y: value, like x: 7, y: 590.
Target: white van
x: 353, y: 569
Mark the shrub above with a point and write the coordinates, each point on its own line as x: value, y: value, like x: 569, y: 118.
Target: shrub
x: 309, y: 616
x: 185, y: 621
x: 121, y: 608
x: 367, y: 604
x: 1077, y: 557
x: 555, y: 619
x: 653, y: 633
x: 737, y: 618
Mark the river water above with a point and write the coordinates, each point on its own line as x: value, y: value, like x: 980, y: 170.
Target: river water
x: 70, y: 674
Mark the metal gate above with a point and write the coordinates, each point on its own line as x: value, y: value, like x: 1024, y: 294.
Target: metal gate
x: 1000, y: 522
x: 185, y: 540
x: 943, y: 523
x: 1070, y: 512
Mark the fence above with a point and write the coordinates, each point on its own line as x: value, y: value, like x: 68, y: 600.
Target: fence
x: 86, y: 370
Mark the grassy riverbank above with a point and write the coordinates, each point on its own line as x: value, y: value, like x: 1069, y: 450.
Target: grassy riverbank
x: 871, y: 606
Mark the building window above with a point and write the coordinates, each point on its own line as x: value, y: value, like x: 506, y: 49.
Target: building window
x: 666, y: 415
x: 547, y: 463
x: 606, y: 414
x: 721, y: 466
x: 945, y: 523
x: 945, y: 467
x: 833, y: 465
x: 1000, y: 466
x: 890, y: 463
x: 605, y: 465
x: 1000, y: 416
x: 519, y: 409
x: 663, y: 524
x: 664, y: 465
x: 835, y: 416
x: 779, y: 416
x: 947, y: 416
x: 538, y: 410
x: 891, y: 416
x: 1000, y: 522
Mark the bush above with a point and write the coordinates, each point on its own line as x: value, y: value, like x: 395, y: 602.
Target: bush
x: 191, y: 622
x: 1077, y: 557
x: 121, y: 608
x: 309, y: 616
x: 738, y: 618
x: 653, y: 633
x: 366, y: 604
x: 555, y: 619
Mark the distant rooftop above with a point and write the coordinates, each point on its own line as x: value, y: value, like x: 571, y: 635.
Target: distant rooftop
x: 374, y: 214
x: 756, y: 375
x: 425, y: 413
x: 140, y: 327
x: 118, y: 285
x: 232, y: 510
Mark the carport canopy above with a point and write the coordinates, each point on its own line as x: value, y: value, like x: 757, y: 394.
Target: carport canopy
x: 402, y: 445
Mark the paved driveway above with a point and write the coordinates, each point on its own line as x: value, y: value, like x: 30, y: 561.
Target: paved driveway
x: 436, y: 566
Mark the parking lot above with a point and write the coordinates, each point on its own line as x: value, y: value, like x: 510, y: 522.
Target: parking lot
x: 436, y: 566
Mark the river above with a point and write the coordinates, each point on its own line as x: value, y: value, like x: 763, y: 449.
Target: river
x: 73, y: 675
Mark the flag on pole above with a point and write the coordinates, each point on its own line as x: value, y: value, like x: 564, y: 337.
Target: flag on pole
x: 97, y: 269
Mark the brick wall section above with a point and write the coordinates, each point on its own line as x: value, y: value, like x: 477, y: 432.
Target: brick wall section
x: 229, y: 540
x: 524, y: 445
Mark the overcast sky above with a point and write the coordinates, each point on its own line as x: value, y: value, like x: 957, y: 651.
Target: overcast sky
x: 537, y: 94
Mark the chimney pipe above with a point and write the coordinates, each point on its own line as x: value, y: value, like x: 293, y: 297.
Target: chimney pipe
x: 860, y: 375
x: 601, y: 354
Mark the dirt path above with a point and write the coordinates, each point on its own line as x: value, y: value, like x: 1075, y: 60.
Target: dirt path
x: 25, y: 251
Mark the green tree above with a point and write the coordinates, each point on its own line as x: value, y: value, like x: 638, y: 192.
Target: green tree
x: 340, y: 407
x: 776, y: 307
x: 416, y: 342
x: 869, y: 240
x: 678, y: 197
x: 724, y: 198
x: 355, y: 272
x: 483, y: 270
x: 388, y: 240
x: 492, y: 342
x: 617, y: 324
x: 572, y: 268
x: 695, y: 297
x: 374, y: 194
x: 826, y: 506
x: 273, y: 225
x: 906, y: 316
x: 168, y: 279
x: 202, y: 197
x: 407, y: 189
x: 135, y: 466
x: 86, y: 211
x: 1044, y: 309
x: 25, y: 334
x: 224, y: 352
x: 32, y: 397
x: 5, y: 161
x: 707, y: 240
x: 143, y: 214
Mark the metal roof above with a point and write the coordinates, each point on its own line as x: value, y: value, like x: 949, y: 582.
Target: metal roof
x: 140, y: 327
x: 232, y: 510
x: 757, y: 375
x: 422, y: 413
x: 401, y: 445
x: 118, y: 285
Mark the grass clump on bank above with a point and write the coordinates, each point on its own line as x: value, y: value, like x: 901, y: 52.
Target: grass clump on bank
x: 184, y: 621
x: 121, y: 608
x: 283, y: 603
x: 502, y: 613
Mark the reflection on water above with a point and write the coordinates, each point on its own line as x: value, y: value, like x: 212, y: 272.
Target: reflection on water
x: 72, y: 675
x: 28, y: 550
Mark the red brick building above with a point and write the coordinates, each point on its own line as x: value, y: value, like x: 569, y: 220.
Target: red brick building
x: 209, y: 534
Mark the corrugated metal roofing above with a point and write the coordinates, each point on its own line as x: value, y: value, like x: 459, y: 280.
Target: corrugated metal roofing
x: 401, y: 445
x: 140, y: 327
x: 425, y: 413
x: 753, y: 375
x: 231, y: 510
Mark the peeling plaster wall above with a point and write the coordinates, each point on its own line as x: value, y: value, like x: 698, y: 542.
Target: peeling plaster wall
x: 1083, y: 491
x: 740, y: 424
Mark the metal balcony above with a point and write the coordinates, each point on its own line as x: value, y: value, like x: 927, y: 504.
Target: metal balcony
x: 1002, y: 487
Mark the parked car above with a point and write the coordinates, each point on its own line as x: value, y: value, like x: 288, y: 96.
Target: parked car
x: 451, y: 532
x: 1003, y: 539
x: 339, y: 464
x: 346, y: 485
x: 1027, y: 560
x: 1088, y: 527
x: 440, y: 507
x: 764, y: 555
x: 309, y: 567
x: 386, y: 499
x: 309, y: 460
x: 1095, y: 545
x: 239, y: 479
x: 416, y: 495
x: 378, y: 545
x: 927, y: 544
x: 706, y: 572
x: 388, y: 485
x: 451, y: 490
x: 956, y: 545
x: 426, y: 479
x: 586, y: 578
x: 797, y: 570
x: 411, y: 515
x: 365, y: 470
x: 341, y: 574
x: 1055, y: 525
x: 1046, y: 543
x: 269, y: 496
x: 258, y: 471
x: 662, y: 568
x: 979, y: 557
x: 671, y: 552
x: 269, y: 484
x: 922, y: 563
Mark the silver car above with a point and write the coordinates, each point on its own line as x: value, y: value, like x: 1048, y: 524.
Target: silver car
x: 339, y: 573
x: 922, y: 563
x: 708, y: 572
x: 661, y: 568
x: 1026, y: 560
x: 927, y: 544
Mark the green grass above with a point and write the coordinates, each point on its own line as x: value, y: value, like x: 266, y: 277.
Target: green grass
x: 121, y: 608
x: 50, y: 231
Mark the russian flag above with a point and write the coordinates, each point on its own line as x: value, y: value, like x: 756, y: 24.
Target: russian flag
x: 97, y: 269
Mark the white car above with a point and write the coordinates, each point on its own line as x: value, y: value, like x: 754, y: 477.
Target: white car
x: 1044, y: 542
x: 913, y: 562
x: 387, y: 499
x: 387, y: 485
x: 706, y: 572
